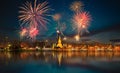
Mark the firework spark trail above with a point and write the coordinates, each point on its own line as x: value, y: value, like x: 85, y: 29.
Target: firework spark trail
x: 57, y: 18
x: 60, y: 26
x: 34, y: 15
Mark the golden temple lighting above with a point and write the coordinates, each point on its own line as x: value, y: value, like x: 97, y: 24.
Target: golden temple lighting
x: 59, y: 44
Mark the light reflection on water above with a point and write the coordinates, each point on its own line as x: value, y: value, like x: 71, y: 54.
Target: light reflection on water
x: 59, y: 62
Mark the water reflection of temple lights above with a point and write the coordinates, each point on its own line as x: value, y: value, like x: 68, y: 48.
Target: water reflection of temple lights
x: 59, y: 58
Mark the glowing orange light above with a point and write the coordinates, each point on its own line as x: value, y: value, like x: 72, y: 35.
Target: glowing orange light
x: 77, y: 37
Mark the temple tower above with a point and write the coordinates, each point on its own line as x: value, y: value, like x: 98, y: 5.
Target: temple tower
x: 59, y: 42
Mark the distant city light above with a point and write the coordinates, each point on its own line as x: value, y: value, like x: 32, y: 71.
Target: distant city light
x: 64, y: 38
x: 77, y: 37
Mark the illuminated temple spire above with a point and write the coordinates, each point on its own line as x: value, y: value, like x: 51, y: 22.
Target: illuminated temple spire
x: 59, y: 42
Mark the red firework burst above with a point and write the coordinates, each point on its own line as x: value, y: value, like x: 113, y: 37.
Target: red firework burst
x: 81, y: 20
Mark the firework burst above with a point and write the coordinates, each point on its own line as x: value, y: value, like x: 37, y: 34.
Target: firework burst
x: 33, y: 32
x: 56, y: 17
x: 34, y: 15
x: 81, y: 20
x: 23, y: 32
x: 76, y: 6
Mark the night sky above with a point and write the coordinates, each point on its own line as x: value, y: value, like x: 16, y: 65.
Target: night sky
x: 105, y: 16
